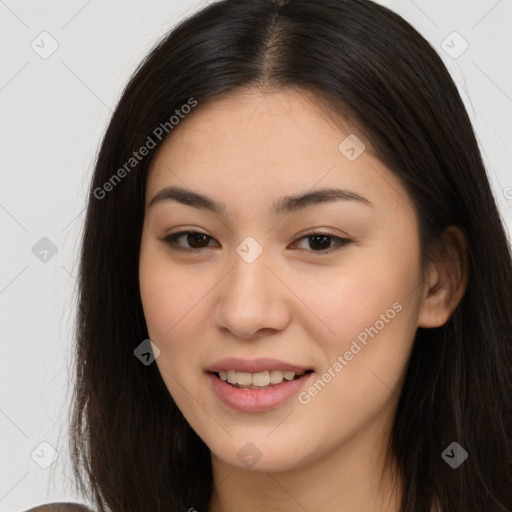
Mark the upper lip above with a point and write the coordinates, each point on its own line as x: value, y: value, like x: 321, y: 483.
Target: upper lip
x: 254, y: 365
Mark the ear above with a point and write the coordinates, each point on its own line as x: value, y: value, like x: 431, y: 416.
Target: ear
x: 446, y: 281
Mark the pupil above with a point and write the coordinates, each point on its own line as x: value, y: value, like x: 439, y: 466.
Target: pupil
x: 322, y: 237
x: 195, y: 238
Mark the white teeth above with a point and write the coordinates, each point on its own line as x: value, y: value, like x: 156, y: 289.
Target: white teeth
x: 256, y: 379
x: 259, y: 379
x: 244, y: 379
x: 276, y: 376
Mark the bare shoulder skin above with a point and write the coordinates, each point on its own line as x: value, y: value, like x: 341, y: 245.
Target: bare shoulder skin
x: 60, y: 507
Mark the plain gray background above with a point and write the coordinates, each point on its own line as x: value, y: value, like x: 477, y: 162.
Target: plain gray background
x: 53, y: 111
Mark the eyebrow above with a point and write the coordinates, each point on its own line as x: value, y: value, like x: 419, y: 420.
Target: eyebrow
x: 283, y: 205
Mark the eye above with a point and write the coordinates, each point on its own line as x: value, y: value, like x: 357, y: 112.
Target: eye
x: 197, y: 240
x: 194, y: 238
x: 323, y: 241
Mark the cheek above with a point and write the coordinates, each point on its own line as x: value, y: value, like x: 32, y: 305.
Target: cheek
x: 162, y: 292
x: 351, y: 299
x: 368, y: 314
x: 168, y: 298
x: 174, y: 302
x: 171, y: 311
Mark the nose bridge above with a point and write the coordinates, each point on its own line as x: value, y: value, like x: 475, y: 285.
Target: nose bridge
x: 249, y: 275
x: 250, y: 298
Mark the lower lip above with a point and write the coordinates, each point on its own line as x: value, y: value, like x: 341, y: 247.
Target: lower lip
x: 256, y: 400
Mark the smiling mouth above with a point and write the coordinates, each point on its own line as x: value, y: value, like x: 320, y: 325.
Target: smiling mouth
x: 265, y: 380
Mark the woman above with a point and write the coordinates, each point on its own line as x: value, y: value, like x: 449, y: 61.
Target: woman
x: 290, y: 196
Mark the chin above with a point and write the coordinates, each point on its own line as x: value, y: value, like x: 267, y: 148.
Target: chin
x: 260, y: 454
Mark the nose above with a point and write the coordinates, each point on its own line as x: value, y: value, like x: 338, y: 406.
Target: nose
x: 251, y: 301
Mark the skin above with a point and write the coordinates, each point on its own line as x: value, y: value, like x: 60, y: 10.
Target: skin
x: 299, y: 301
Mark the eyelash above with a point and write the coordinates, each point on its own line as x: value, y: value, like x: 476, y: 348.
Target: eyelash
x: 171, y: 239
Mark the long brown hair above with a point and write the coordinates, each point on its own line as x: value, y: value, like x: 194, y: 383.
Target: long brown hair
x: 132, y: 448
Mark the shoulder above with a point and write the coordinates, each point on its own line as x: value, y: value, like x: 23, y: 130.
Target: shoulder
x: 60, y: 507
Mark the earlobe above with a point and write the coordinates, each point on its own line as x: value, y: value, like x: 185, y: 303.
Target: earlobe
x: 447, y: 280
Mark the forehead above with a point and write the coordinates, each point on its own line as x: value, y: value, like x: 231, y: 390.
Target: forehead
x: 260, y: 126
x: 253, y: 143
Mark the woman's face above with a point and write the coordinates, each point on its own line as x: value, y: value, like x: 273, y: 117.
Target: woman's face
x: 258, y: 285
